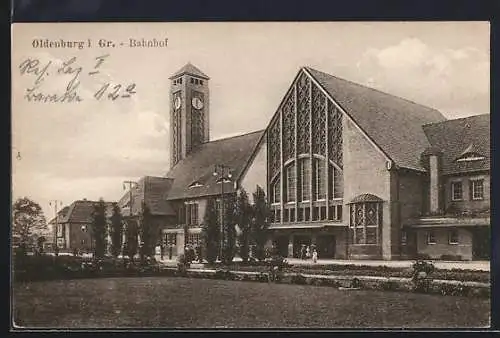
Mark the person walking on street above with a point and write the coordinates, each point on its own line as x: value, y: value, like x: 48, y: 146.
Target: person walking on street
x: 315, y: 256
x: 303, y: 251
x: 308, y: 252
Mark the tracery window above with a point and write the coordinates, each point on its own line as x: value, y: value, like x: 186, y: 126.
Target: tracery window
x: 291, y: 181
x: 335, y: 135
x: 276, y: 191
x: 365, y: 222
x: 305, y: 179
x: 274, y: 143
x: 319, y: 179
x: 303, y: 118
x: 289, y: 128
x: 318, y: 120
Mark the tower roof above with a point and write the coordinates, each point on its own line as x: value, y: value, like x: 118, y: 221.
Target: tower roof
x: 191, y: 70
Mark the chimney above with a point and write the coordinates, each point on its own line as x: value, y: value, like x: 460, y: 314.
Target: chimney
x: 433, y: 158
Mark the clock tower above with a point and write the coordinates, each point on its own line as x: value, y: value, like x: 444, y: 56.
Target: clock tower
x: 189, y: 112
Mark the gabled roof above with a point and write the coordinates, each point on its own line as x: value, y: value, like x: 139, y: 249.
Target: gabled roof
x: 191, y: 70
x: 199, y: 165
x: 61, y: 215
x: 460, y: 137
x: 151, y: 190
x: 366, y: 198
x: 393, y: 123
x: 79, y: 212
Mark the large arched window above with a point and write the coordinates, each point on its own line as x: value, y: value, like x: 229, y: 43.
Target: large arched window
x: 319, y: 186
x: 304, y: 179
x: 276, y: 191
x: 366, y: 219
x: 291, y: 181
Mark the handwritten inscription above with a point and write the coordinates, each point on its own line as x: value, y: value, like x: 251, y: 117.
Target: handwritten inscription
x: 71, y: 71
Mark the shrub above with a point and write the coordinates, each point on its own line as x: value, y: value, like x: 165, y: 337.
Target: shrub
x: 224, y: 274
x: 389, y: 285
x: 262, y: 277
x: 298, y: 279
x: 355, y: 283
x: 422, y: 266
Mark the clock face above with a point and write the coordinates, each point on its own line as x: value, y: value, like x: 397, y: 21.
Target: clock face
x: 177, y: 103
x: 197, y: 103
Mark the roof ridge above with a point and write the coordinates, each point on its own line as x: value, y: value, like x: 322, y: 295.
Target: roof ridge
x: 374, y: 89
x: 457, y: 119
x: 192, y: 153
x: 235, y: 136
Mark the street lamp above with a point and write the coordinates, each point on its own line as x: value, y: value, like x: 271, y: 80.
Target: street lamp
x: 225, y: 175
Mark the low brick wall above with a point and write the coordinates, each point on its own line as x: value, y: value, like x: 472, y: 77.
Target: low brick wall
x: 443, y: 287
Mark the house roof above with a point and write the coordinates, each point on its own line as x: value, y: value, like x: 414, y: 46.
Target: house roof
x: 78, y: 212
x: 61, y: 215
x: 459, y: 137
x: 198, y: 166
x: 191, y: 70
x: 393, y: 123
x: 151, y: 190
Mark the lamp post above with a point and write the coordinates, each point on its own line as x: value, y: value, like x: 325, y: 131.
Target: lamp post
x: 224, y: 175
x: 130, y: 184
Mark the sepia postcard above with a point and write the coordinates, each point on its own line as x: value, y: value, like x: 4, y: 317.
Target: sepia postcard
x: 250, y: 175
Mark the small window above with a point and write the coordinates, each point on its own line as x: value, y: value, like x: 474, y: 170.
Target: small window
x: 300, y: 214
x: 180, y: 80
x: 471, y: 158
x: 292, y: 215
x: 431, y: 237
x: 286, y: 214
x: 171, y: 239
x: 195, y: 185
x: 331, y: 213
x: 404, y: 238
x: 477, y: 189
x: 456, y: 191
x: 201, y: 82
x: 307, y: 214
x: 191, y: 80
x: 453, y: 236
x: 315, y: 214
x: 323, y: 213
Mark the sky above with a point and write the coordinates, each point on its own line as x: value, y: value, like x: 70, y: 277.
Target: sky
x: 73, y: 150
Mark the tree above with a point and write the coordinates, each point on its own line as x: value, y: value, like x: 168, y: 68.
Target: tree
x: 39, y: 244
x: 99, y: 228
x: 210, y: 231
x: 260, y: 221
x: 28, y: 220
x: 230, y: 220
x: 244, y: 216
x: 116, y: 231
x: 148, y: 233
x: 130, y: 247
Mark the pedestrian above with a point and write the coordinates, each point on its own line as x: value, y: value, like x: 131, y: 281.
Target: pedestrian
x: 315, y: 256
x: 303, y: 251
x: 308, y: 252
